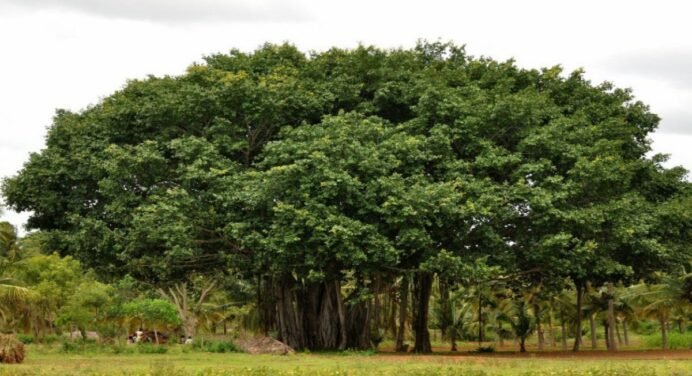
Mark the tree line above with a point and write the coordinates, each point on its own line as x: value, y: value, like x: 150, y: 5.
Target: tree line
x: 357, y: 191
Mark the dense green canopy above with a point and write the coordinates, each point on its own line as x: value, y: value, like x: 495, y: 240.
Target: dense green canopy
x: 307, y: 172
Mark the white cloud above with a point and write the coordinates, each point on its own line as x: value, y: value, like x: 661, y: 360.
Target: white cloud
x: 176, y: 11
x: 70, y: 53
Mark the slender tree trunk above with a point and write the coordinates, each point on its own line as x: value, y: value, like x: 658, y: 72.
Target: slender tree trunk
x: 681, y: 326
x: 551, y: 330
x: 403, y: 304
x: 607, y: 334
x: 539, y: 329
x: 664, y: 334
x: 612, y: 345
x: 522, y: 345
x: 422, y: 291
x: 481, y: 326
x: 577, y: 338
x: 392, y: 316
x: 156, y: 336
x: 617, y: 331
x: 592, y: 323
x: 377, y: 305
x: 624, y: 332
x: 444, y: 302
x: 342, y: 315
x: 564, y: 331
x: 289, y: 320
x: 453, y: 338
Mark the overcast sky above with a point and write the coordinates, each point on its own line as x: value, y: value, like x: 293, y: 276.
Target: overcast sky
x: 70, y: 53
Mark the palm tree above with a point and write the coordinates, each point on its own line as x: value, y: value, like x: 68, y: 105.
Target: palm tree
x: 625, y: 313
x: 522, y: 323
x: 593, y: 308
x: 12, y: 294
x: 663, y: 300
x: 190, y: 307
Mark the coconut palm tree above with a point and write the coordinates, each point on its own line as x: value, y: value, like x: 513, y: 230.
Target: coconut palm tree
x: 190, y: 306
x: 12, y: 294
x: 661, y: 301
x: 565, y: 308
x: 522, y: 322
x: 625, y: 313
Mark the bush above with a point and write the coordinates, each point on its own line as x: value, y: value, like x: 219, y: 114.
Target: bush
x: 83, y: 347
x: 645, y: 328
x: 70, y: 347
x: 11, y: 349
x: 50, y: 339
x: 485, y: 349
x: 215, y: 346
x: 26, y: 339
x: 148, y: 348
x: 122, y: 349
x: 676, y: 340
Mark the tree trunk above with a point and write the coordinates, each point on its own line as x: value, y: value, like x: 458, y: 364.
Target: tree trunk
x: 551, y: 330
x: 481, y: 331
x: 539, y: 329
x: 392, y: 316
x: 156, y: 336
x: 422, y: 291
x: 358, y: 324
x: 606, y: 333
x: 617, y: 332
x: 664, y: 334
x: 403, y: 303
x: 342, y: 315
x: 592, y: 322
x: 376, y: 319
x: 522, y: 345
x: 481, y: 326
x: 564, y: 331
x: 624, y: 332
x: 577, y: 338
x: 289, y: 323
x: 444, y: 302
x: 612, y: 345
x: 453, y: 338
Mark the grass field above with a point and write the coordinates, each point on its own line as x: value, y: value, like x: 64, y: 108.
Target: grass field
x: 178, y: 362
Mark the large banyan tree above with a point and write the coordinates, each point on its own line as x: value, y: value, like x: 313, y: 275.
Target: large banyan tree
x: 324, y: 179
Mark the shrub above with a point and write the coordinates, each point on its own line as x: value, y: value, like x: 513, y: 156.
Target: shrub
x: 485, y: 349
x: 26, y: 339
x: 11, y: 349
x: 675, y: 340
x: 215, y: 346
x: 121, y: 349
x: 645, y: 327
x: 50, y: 339
x: 148, y: 348
x: 89, y: 346
x: 69, y: 347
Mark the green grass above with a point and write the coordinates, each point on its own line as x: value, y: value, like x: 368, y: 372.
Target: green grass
x: 178, y: 361
x: 681, y: 341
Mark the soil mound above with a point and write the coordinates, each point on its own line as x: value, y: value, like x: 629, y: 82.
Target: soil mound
x: 263, y: 345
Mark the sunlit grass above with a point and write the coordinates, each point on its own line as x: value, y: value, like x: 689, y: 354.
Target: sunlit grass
x: 177, y: 362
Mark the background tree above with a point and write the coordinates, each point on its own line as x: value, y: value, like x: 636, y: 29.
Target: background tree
x: 158, y: 314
